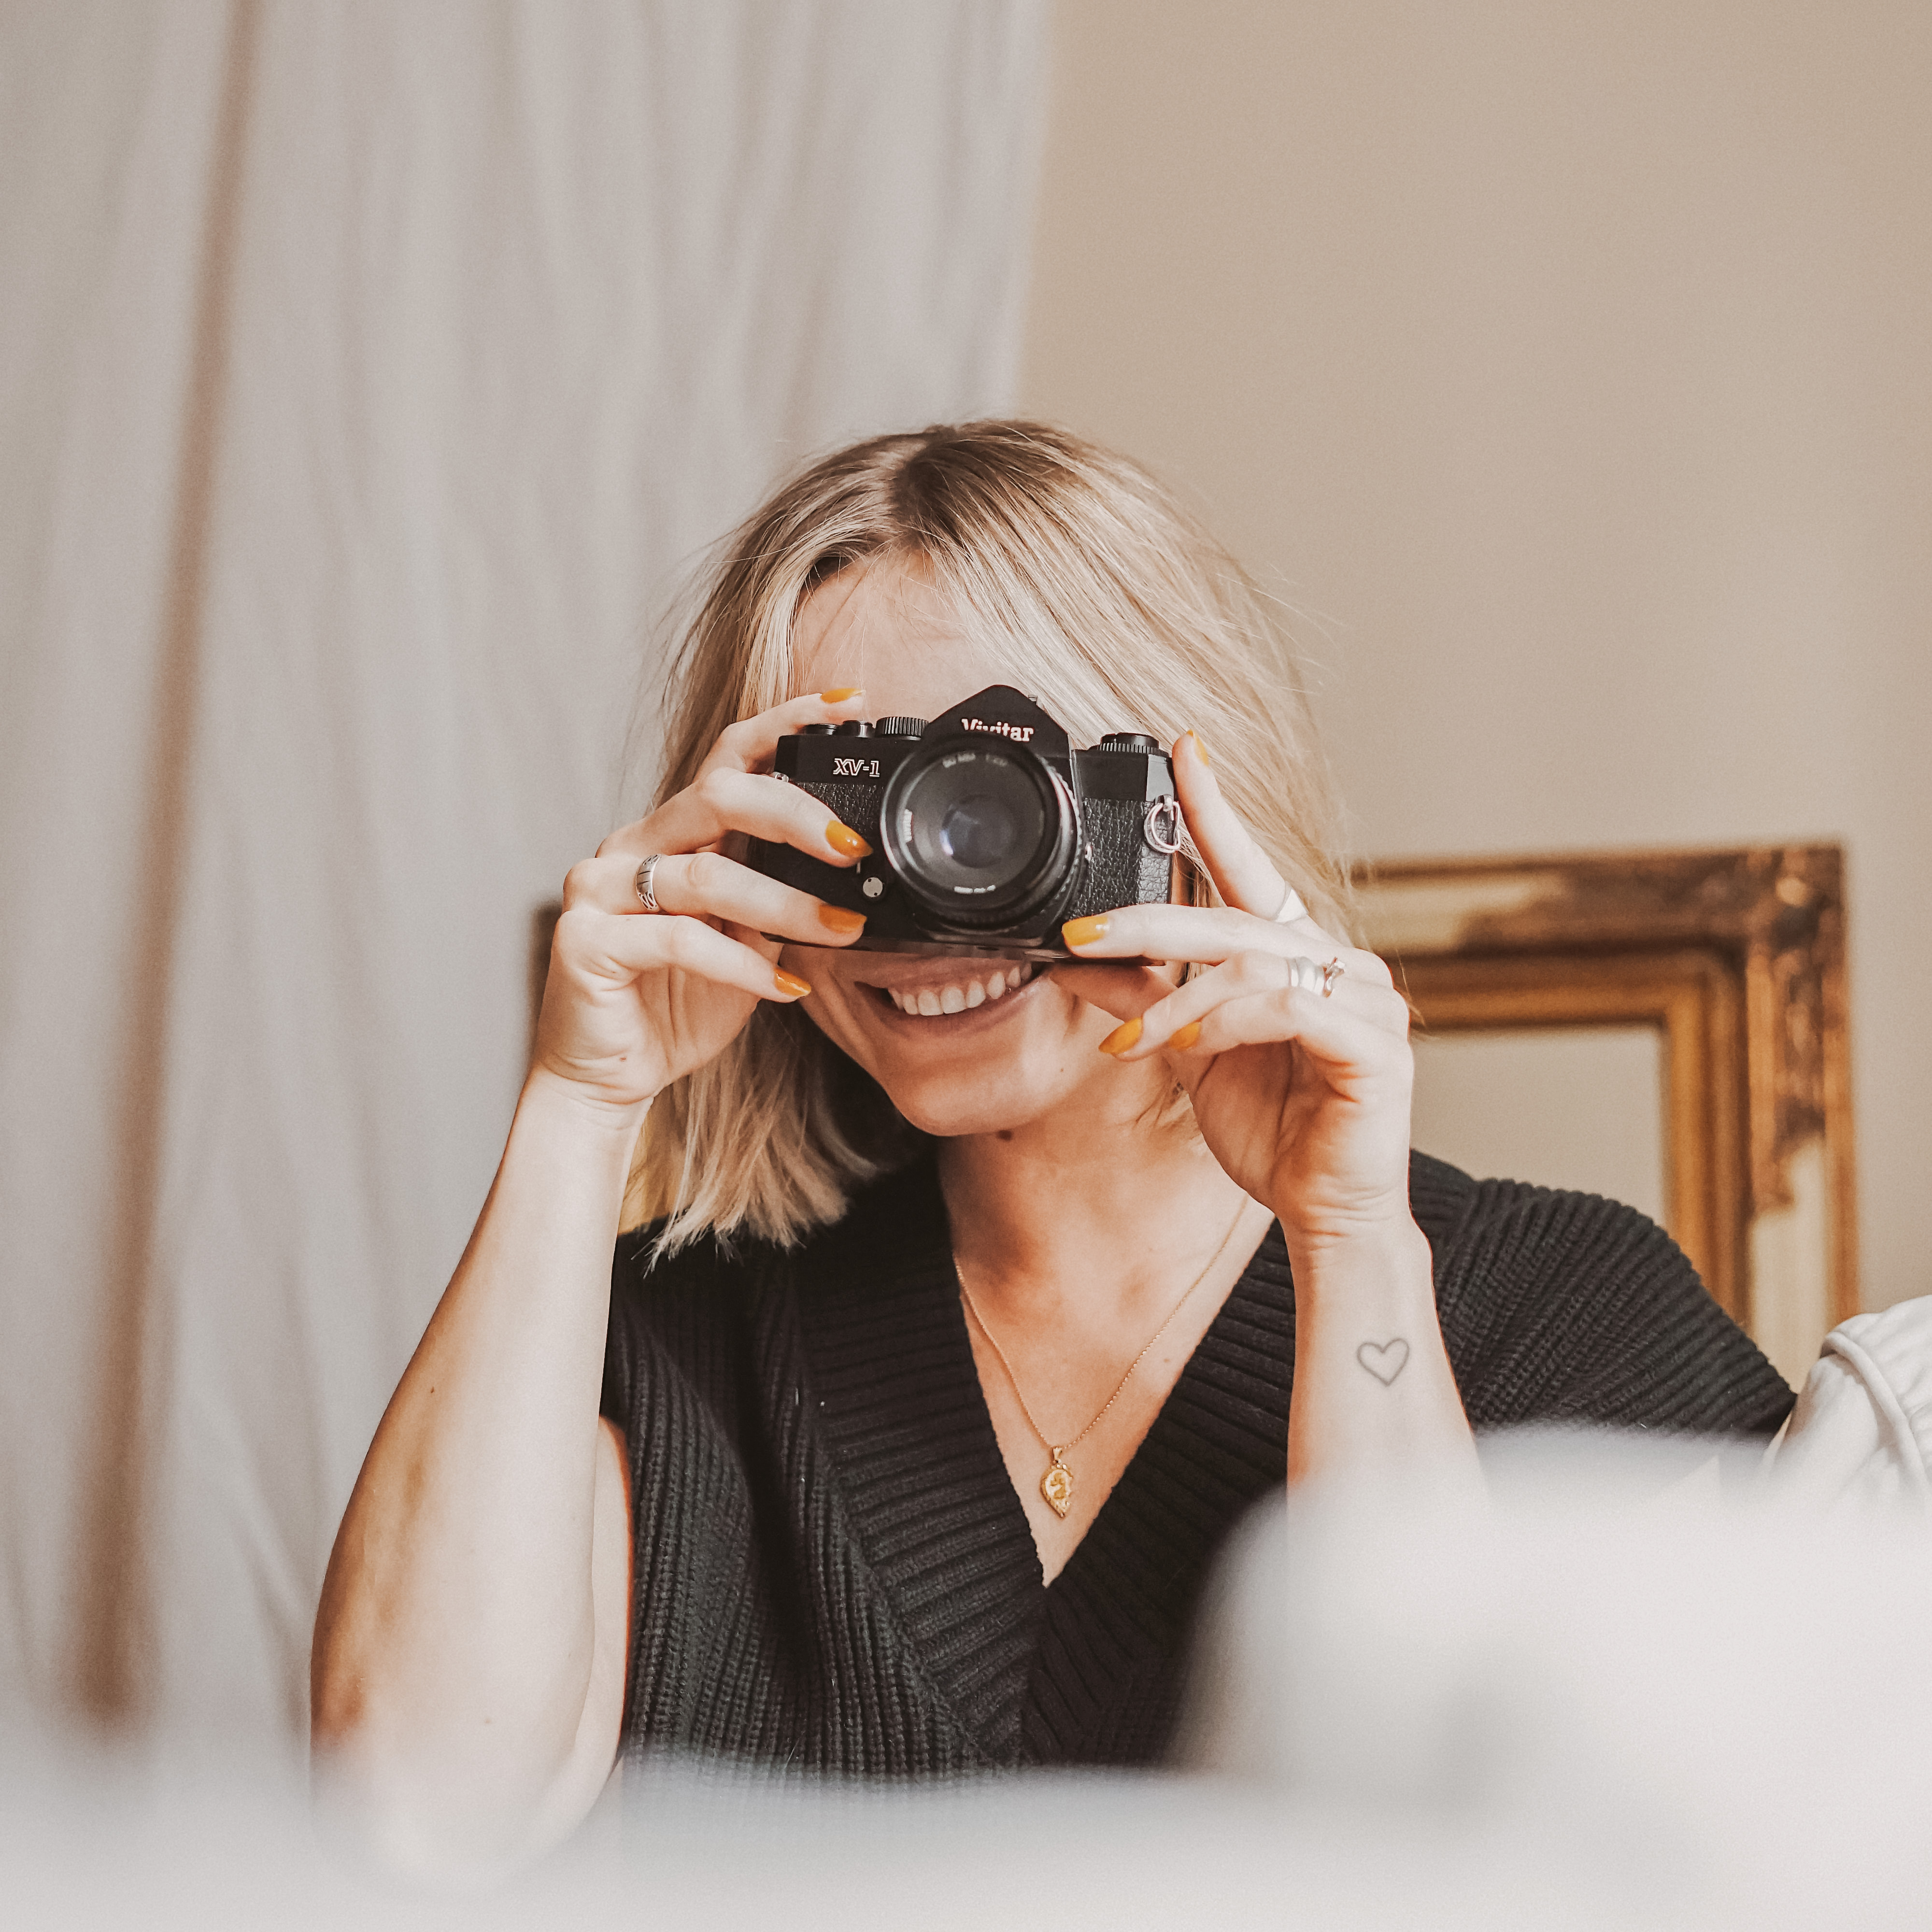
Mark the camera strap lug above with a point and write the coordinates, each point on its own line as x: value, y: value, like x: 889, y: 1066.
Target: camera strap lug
x: 1166, y: 831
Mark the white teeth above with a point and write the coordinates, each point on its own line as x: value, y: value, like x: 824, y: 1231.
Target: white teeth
x: 931, y: 1001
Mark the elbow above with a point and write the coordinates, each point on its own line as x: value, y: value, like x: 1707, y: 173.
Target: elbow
x: 435, y: 1817
x: 446, y: 1798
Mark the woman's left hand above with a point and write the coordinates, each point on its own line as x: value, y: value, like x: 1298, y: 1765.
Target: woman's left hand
x: 1302, y: 1095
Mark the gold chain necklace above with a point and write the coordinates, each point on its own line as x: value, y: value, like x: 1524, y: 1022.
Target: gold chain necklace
x: 1057, y: 1485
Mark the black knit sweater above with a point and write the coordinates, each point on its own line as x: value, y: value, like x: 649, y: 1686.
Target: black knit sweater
x: 832, y: 1571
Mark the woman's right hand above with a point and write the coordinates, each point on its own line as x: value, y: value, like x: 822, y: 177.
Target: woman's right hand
x: 634, y: 1000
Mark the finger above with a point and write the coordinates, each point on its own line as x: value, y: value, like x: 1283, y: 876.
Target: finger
x: 1123, y: 991
x: 1211, y: 934
x: 1176, y: 1023
x: 1243, y: 873
x: 710, y: 886
x: 725, y: 799
x: 1344, y: 1043
x: 607, y: 946
x: 1308, y: 940
x: 751, y: 745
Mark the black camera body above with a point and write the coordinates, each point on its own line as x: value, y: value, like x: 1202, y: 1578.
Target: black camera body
x: 988, y: 830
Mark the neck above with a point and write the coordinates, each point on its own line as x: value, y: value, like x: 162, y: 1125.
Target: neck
x: 1065, y: 1211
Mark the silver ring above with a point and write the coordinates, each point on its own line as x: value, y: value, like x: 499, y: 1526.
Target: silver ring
x: 1292, y: 908
x: 1309, y: 976
x: 647, y: 874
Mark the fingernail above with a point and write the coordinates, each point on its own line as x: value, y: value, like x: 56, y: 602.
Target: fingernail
x: 1084, y: 932
x: 1184, y: 1037
x: 839, y: 696
x: 790, y: 984
x: 840, y: 920
x: 1201, y: 748
x: 843, y: 838
x: 1122, y: 1037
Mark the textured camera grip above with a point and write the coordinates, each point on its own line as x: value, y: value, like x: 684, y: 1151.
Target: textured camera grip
x: 1123, y: 869
x: 856, y: 805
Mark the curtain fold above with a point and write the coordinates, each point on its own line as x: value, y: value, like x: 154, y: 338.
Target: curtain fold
x: 368, y: 375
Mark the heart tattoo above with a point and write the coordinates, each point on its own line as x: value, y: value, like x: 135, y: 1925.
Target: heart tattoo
x: 1385, y: 1360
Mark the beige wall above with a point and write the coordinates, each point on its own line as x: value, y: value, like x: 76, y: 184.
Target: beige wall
x: 1570, y: 367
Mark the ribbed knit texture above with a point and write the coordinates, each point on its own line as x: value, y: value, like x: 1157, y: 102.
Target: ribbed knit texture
x: 833, y: 1572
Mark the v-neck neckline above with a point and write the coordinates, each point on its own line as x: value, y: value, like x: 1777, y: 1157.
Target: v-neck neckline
x: 971, y: 1367
x: 1049, y: 1667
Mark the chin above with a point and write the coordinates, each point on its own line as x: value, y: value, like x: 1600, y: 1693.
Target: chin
x: 950, y: 1105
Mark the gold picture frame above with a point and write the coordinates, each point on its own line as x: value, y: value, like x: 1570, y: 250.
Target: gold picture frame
x: 1736, y: 957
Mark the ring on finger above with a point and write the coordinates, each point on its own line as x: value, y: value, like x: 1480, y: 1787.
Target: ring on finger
x: 647, y: 874
x: 1309, y: 976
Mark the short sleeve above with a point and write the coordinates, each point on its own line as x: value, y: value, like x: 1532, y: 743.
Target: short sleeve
x: 1566, y: 1307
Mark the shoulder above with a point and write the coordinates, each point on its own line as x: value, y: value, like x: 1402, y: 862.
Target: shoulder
x: 714, y: 1283
x: 679, y: 1317
x: 706, y: 1284
x: 1557, y: 1304
x: 645, y: 1273
x: 697, y: 1329
x: 1499, y: 1242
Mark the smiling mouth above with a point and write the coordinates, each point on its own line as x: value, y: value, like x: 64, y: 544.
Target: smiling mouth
x: 962, y: 995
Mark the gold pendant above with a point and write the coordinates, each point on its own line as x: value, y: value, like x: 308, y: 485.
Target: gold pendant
x: 1056, y: 1485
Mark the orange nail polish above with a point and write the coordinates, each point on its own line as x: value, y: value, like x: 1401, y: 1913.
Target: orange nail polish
x: 1122, y: 1037
x: 839, y: 696
x: 840, y: 920
x: 1184, y: 1037
x: 790, y: 984
x: 1201, y: 748
x: 844, y: 840
x: 1084, y: 932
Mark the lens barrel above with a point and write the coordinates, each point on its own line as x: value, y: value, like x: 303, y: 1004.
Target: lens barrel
x: 979, y: 833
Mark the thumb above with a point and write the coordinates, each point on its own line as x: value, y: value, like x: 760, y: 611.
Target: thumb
x: 1123, y: 988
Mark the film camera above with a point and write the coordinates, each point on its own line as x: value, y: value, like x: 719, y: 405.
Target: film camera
x: 988, y: 829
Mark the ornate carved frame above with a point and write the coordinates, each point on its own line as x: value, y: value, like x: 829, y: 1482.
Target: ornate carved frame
x: 1737, y: 958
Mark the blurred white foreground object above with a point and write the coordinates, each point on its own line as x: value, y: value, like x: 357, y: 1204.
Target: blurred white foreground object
x: 1650, y: 1684
x: 1608, y: 1699
x: 1862, y: 1431
x: 1670, y: 1707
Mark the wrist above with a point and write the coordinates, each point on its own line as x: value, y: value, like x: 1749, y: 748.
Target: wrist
x: 1390, y: 1254
x: 567, y: 1106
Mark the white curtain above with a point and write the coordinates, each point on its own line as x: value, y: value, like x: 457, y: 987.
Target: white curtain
x: 368, y: 373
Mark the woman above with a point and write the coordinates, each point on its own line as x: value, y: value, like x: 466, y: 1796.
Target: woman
x: 968, y: 1321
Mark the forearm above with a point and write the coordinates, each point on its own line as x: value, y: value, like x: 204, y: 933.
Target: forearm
x: 456, y: 1637
x: 1373, y: 1390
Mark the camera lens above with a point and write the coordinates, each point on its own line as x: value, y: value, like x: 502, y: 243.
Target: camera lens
x: 978, y: 834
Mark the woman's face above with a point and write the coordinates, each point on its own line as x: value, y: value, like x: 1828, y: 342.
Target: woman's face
x: 1000, y: 1060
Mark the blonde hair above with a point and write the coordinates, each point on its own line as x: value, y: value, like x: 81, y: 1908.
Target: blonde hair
x: 1108, y: 600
